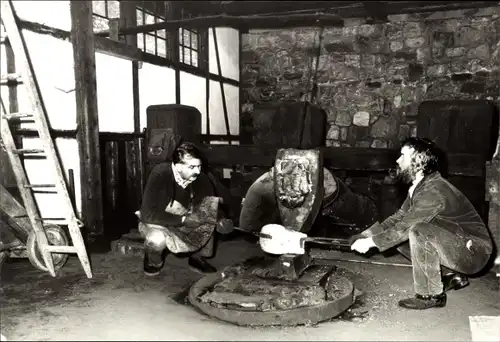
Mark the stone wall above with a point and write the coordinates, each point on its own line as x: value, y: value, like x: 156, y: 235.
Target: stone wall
x: 372, y: 78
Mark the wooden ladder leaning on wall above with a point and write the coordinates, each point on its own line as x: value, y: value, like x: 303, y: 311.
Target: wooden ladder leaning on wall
x: 39, y: 116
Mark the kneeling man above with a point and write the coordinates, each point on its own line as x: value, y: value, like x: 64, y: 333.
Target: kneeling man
x: 445, y: 233
x: 170, y: 221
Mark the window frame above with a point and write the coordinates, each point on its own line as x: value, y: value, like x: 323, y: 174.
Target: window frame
x: 182, y: 46
x: 155, y: 34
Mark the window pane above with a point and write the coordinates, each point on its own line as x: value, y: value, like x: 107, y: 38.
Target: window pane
x: 99, y: 23
x: 181, y: 55
x: 180, y: 35
x: 140, y: 41
x: 187, y: 56
x: 162, y: 47
x: 113, y: 9
x: 187, y: 38
x: 149, y: 18
x: 139, y: 17
x: 99, y: 8
x: 194, y: 58
x: 162, y: 33
x: 150, y: 44
x: 194, y: 41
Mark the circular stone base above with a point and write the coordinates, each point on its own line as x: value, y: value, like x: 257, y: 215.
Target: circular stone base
x: 318, y: 295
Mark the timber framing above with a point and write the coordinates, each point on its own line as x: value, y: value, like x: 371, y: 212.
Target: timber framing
x: 87, y: 134
x: 119, y: 49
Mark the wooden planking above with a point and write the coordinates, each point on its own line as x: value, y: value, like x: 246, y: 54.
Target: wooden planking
x: 362, y: 159
x: 87, y: 115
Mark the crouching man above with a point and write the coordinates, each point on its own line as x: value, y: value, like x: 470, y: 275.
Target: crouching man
x: 437, y: 228
x: 171, y: 219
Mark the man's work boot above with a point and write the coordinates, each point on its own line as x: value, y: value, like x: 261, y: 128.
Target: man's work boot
x: 421, y: 302
x: 153, y: 263
x: 201, y: 265
x: 454, y: 281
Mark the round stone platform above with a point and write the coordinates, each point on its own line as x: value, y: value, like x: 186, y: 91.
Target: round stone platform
x: 249, y: 294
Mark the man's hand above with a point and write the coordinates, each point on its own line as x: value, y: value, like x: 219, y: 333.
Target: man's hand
x: 192, y: 221
x: 225, y: 226
x: 363, y: 245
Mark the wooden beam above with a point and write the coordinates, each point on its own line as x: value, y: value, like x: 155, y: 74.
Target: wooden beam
x: 239, y: 22
x: 222, y: 93
x: 87, y: 116
x: 352, y: 159
x: 125, y: 51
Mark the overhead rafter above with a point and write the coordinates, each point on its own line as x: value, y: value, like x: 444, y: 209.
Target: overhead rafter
x: 239, y: 22
x: 345, y: 9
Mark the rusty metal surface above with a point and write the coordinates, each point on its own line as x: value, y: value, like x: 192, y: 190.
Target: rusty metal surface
x: 250, y: 297
x: 298, y: 178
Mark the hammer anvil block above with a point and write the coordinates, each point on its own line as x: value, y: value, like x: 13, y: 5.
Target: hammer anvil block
x: 291, y: 266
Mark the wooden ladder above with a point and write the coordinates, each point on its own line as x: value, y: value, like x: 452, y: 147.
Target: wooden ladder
x: 47, y: 150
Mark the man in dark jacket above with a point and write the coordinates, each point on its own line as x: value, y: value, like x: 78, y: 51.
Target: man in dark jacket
x: 169, y: 221
x: 447, y: 238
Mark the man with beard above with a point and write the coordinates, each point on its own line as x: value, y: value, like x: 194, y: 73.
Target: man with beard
x: 167, y: 219
x: 437, y: 228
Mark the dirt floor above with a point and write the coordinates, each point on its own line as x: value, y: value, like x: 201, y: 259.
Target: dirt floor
x: 120, y: 303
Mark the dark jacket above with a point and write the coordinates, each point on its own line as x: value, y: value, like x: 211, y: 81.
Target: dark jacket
x: 435, y: 201
x: 162, y: 188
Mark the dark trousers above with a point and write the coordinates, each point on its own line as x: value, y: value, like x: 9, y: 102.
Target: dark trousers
x: 156, y: 252
x: 431, y: 247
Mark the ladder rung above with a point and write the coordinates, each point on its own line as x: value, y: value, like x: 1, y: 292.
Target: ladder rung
x: 45, y: 191
x: 28, y: 150
x: 11, y: 79
x: 61, y: 249
x: 54, y: 220
x: 14, y: 116
x: 39, y: 185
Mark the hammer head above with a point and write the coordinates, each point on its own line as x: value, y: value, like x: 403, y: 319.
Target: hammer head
x: 298, y: 186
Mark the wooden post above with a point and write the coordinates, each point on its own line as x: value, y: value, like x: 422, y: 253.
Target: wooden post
x: 493, y: 196
x: 222, y: 94
x: 87, y: 136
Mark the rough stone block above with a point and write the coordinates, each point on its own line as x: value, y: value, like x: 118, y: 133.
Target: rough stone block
x: 343, y: 133
x: 353, y: 60
x: 413, y: 43
x: 333, y: 133
x: 384, y: 127
x: 479, y: 52
x: 344, y: 118
x: 437, y: 70
x: 413, y: 29
x: 356, y: 133
x: 362, y: 144
x: 404, y: 132
x: 379, y: 143
x: 361, y: 118
x: 467, y: 36
x: 413, y: 131
x: 423, y: 55
x: 397, y: 101
x: 445, y: 39
x: 340, y: 47
x: 396, y: 45
x: 455, y: 52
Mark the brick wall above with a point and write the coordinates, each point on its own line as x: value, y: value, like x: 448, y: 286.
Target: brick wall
x: 371, y: 78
